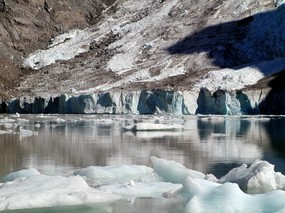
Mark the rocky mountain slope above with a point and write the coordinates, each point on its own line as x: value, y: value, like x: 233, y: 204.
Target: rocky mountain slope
x: 132, y: 48
x: 28, y: 25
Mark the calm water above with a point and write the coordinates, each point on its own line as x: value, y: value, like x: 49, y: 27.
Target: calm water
x: 66, y: 143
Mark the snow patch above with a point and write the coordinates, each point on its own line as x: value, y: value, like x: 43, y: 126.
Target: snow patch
x: 63, y: 47
x: 231, y: 79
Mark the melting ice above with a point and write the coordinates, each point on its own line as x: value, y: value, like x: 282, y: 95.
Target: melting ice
x: 253, y: 188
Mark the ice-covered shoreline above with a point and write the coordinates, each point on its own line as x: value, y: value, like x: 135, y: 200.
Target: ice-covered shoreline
x: 167, y: 180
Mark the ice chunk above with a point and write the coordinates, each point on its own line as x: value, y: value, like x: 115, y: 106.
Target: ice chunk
x: 97, y: 175
x: 7, y: 120
x: 25, y: 132
x: 46, y: 191
x: 135, y: 190
x: 38, y: 125
x: 22, y: 173
x: 152, y: 127
x: 156, y: 134
x: 207, y: 196
x: 16, y: 115
x: 2, y: 132
x: 172, y: 171
x: 259, y: 177
x: 22, y: 120
x: 59, y: 120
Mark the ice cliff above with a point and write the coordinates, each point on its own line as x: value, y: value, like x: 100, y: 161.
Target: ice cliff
x: 151, y: 102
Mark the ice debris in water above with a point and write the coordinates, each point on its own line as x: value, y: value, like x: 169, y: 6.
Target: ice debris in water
x: 170, y: 179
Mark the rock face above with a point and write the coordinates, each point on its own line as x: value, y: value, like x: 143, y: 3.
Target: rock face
x: 156, y: 45
x: 28, y: 25
x: 141, y: 57
x: 246, y: 102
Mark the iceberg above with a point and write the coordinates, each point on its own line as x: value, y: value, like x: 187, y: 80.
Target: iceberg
x: 19, y: 174
x: 172, y: 171
x: 206, y: 196
x: 259, y: 177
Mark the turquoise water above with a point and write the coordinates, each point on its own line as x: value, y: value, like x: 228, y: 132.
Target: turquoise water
x: 63, y: 144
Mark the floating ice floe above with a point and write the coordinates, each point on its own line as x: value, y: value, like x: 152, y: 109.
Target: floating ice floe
x: 59, y: 120
x: 38, y: 125
x: 139, y: 189
x: 7, y: 120
x: 97, y: 175
x: 46, y: 191
x: 2, y: 132
x: 144, y: 126
x: 16, y: 115
x: 156, y: 134
x: 25, y: 132
x: 22, y: 120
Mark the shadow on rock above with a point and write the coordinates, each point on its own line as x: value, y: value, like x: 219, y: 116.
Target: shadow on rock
x: 274, y: 103
x: 254, y: 39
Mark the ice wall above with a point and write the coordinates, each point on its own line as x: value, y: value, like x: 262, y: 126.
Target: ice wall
x: 152, y: 102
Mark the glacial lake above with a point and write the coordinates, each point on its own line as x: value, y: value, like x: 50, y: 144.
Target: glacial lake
x: 62, y: 144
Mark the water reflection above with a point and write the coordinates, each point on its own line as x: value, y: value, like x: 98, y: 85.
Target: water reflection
x: 63, y: 144
x: 275, y: 129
